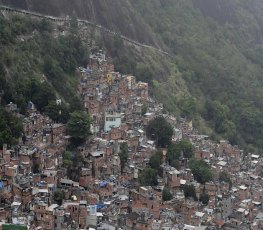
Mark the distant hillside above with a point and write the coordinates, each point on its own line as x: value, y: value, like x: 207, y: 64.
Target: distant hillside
x: 117, y: 15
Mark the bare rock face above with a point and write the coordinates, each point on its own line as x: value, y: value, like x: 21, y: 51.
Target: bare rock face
x: 121, y: 15
x: 116, y: 15
x: 13, y: 3
x: 222, y: 11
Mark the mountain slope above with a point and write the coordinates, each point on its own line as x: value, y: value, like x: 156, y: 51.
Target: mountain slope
x: 217, y: 75
x: 219, y: 55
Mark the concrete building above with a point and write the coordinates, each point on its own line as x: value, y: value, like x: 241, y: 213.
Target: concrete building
x: 112, y: 120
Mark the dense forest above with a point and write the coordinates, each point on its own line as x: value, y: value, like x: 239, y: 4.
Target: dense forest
x: 37, y: 65
x: 37, y: 60
x: 216, y: 78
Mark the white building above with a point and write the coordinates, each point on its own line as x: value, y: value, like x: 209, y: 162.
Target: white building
x: 112, y: 120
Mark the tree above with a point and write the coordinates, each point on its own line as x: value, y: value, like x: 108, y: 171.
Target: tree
x: 52, y: 69
x: 156, y: 161
x: 144, y: 72
x: 11, y: 128
x: 224, y: 177
x: 176, y: 164
x: 189, y: 191
x: 175, y: 150
x: 123, y: 154
x: 45, y: 26
x: 58, y: 197
x: 75, y: 104
x: 42, y: 94
x: 167, y: 195
x: 217, y: 112
x: 204, y: 198
x: 78, y: 127
x: 67, y: 159
x: 187, y: 106
x: 77, y: 160
x: 57, y: 112
x: 173, y: 153
x: 160, y: 130
x: 148, y: 177
x: 229, y: 131
x: 201, y: 171
x: 74, y: 25
x: 6, y: 36
x: 186, y: 148
x: 144, y: 109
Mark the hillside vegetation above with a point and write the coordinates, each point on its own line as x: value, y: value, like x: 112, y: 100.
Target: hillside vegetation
x: 219, y: 59
x: 39, y: 66
x: 216, y: 78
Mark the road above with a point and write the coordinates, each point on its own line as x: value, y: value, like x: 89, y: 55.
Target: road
x: 87, y: 22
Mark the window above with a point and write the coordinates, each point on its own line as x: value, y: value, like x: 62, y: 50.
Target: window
x: 110, y: 119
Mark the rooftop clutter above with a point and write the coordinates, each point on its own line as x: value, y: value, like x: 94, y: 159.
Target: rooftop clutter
x: 45, y: 186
